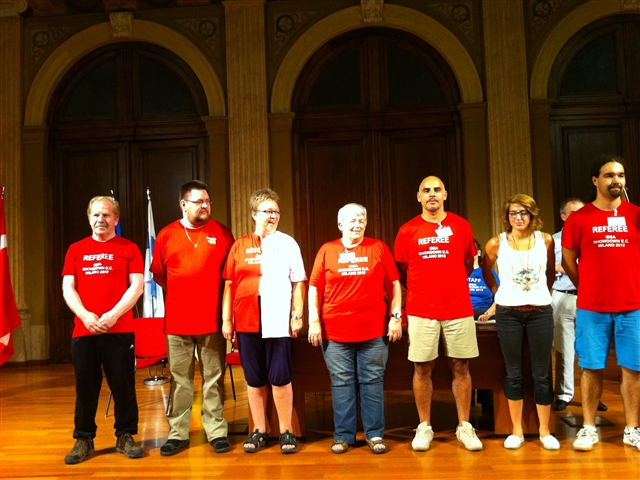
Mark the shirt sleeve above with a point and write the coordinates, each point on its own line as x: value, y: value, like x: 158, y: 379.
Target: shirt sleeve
x: 571, y: 233
x: 389, y: 265
x: 317, y: 278
x: 399, y: 247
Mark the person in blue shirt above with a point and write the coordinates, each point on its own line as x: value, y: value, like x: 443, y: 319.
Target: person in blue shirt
x: 484, y: 310
x: 484, y: 307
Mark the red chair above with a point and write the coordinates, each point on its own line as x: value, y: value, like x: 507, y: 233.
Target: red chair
x: 233, y: 358
x: 150, y: 347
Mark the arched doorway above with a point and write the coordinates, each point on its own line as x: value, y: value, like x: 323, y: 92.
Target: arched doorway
x: 125, y: 118
x: 376, y: 111
x: 596, y: 81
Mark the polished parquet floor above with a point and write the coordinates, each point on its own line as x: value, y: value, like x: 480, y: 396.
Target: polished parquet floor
x: 36, y: 420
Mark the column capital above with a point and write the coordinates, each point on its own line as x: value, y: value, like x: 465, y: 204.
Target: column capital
x: 12, y: 8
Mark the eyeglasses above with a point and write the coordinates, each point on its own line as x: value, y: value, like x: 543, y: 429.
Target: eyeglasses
x: 521, y: 214
x: 201, y: 202
x: 270, y: 213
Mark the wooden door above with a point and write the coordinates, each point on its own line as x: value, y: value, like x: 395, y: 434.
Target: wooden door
x: 123, y: 143
x: 376, y: 113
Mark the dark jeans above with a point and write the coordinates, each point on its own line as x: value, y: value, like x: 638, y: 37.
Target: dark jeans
x: 114, y: 352
x: 537, y: 327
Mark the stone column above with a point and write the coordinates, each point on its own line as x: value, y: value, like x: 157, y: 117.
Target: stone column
x: 476, y: 168
x: 35, y: 141
x: 542, y: 161
x: 507, y: 102
x: 247, y: 103
x: 11, y: 157
x: 218, y: 130
x: 281, y: 169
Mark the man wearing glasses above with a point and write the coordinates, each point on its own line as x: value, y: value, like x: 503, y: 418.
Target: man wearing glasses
x: 600, y: 248
x: 434, y: 253
x: 188, y: 259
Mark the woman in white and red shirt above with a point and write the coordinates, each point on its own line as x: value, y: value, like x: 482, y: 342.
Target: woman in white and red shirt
x: 352, y: 283
x: 263, y: 300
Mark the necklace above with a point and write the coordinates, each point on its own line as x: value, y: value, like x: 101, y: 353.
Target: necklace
x: 195, y: 245
x: 526, y: 272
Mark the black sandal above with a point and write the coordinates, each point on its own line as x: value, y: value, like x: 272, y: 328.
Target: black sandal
x: 288, y: 439
x: 257, y: 439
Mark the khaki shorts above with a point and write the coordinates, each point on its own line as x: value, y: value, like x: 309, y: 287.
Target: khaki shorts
x: 424, y: 337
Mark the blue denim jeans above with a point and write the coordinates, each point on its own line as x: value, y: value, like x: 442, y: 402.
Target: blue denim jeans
x: 537, y: 327
x: 357, y: 367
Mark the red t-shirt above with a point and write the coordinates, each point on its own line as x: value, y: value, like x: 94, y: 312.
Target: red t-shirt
x: 275, y: 260
x: 193, y: 300
x: 608, y: 250
x: 243, y: 269
x: 351, y: 288
x: 102, y: 272
x: 436, y: 275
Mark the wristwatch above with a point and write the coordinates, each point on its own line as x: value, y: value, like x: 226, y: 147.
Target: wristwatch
x: 397, y: 316
x: 296, y: 317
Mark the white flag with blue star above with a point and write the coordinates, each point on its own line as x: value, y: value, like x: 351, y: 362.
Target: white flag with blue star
x: 152, y: 299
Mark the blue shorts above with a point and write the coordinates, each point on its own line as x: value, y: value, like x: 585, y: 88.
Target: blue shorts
x: 265, y: 360
x: 594, y: 332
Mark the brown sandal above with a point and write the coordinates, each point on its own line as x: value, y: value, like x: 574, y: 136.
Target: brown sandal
x: 374, y: 443
x: 339, y: 443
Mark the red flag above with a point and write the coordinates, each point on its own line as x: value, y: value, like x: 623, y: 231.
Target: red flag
x: 10, y: 317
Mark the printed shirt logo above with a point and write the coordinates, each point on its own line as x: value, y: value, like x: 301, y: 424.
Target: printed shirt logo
x: 352, y: 268
x: 97, y: 268
x: 253, y: 255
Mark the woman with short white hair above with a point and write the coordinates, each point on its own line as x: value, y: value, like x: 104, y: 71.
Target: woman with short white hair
x: 353, y: 286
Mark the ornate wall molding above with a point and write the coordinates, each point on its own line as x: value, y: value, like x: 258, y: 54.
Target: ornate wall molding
x: 121, y: 24
x: 395, y: 16
x: 372, y: 10
x: 545, y: 53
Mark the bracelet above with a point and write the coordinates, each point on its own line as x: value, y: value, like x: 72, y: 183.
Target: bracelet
x: 296, y: 317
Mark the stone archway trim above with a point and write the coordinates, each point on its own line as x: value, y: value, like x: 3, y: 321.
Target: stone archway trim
x: 394, y: 16
x: 560, y: 35
x: 84, y: 42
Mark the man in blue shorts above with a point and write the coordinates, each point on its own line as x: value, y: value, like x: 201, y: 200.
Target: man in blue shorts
x: 601, y: 254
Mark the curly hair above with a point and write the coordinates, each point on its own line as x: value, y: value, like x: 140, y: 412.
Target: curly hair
x: 529, y: 204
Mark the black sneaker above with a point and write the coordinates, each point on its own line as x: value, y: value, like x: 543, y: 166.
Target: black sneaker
x: 173, y: 446
x: 560, y: 405
x: 127, y: 445
x: 602, y: 407
x: 220, y: 444
x: 81, y: 450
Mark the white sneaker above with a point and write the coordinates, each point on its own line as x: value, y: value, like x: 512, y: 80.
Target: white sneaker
x: 632, y: 437
x: 585, y: 440
x: 550, y: 442
x: 424, y: 435
x: 466, y: 434
x: 513, y: 442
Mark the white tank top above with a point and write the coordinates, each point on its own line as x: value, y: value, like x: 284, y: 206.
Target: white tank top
x: 523, y: 279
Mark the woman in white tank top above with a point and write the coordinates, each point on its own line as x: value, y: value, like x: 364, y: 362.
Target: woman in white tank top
x: 526, y: 268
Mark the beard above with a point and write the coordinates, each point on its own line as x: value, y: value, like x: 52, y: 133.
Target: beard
x: 615, y: 190
x: 201, y: 217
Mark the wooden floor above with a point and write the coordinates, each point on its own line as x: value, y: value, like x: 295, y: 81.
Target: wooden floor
x: 36, y: 421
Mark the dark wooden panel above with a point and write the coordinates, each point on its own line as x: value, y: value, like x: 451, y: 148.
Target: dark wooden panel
x: 336, y: 170
x: 163, y: 166
x: 411, y: 156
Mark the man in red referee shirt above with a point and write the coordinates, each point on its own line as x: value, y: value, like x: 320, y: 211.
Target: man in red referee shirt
x: 434, y: 253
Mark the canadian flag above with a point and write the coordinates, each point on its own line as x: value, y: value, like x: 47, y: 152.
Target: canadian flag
x: 10, y: 317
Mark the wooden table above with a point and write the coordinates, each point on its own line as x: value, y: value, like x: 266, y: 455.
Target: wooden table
x: 310, y: 374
